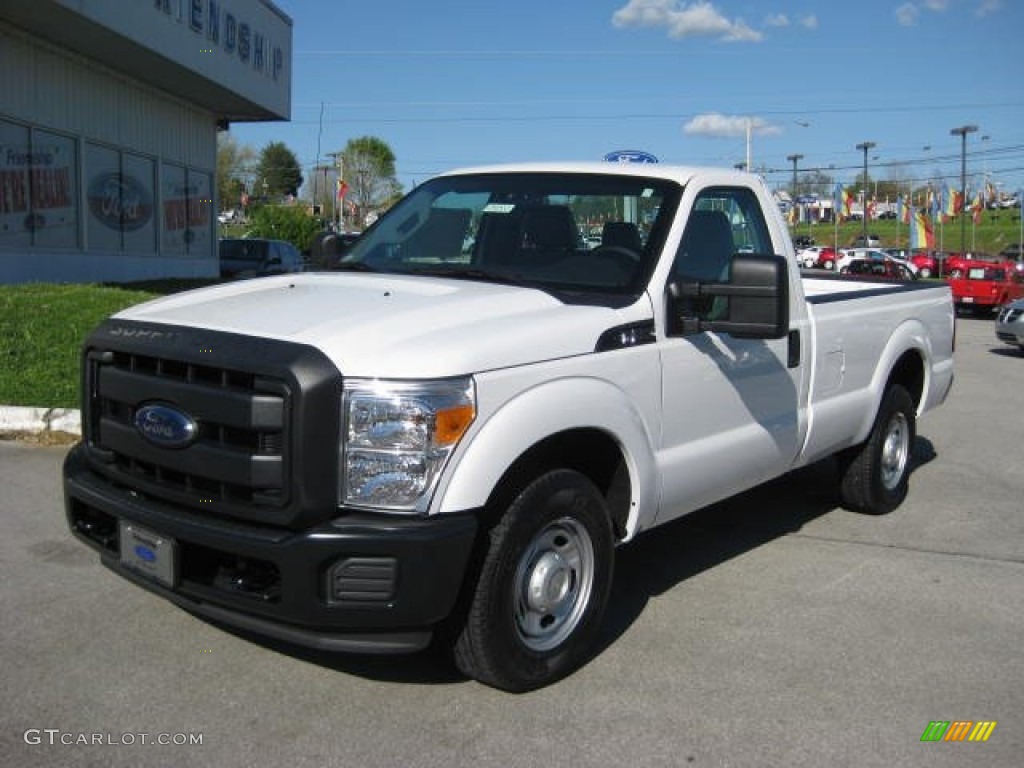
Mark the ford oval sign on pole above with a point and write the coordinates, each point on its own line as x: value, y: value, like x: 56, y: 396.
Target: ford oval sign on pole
x: 630, y: 156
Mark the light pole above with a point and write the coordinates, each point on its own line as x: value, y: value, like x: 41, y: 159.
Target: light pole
x: 962, y: 132
x: 793, y: 159
x: 749, y: 130
x: 865, y: 146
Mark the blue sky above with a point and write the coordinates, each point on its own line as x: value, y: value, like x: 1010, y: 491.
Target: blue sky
x: 448, y: 84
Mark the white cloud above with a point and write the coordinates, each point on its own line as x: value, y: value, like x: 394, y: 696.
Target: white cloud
x: 811, y: 22
x: 681, y: 19
x: 985, y: 7
x: 716, y: 124
x: 907, y: 14
x: 777, y: 20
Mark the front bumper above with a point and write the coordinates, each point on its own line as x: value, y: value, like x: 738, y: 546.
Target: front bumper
x: 359, y: 583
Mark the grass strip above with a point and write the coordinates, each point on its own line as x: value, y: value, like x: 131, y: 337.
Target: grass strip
x: 42, y: 327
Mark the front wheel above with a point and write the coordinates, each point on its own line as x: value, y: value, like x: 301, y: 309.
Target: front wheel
x: 875, y: 475
x: 543, y: 586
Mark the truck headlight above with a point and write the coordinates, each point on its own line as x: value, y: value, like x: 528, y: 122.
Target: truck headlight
x: 397, y: 437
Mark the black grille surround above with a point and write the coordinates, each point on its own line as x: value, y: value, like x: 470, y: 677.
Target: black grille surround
x: 268, y: 414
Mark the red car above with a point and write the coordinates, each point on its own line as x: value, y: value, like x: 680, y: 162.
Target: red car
x: 818, y: 256
x: 986, y: 287
x: 879, y: 270
x: 956, y: 265
x: 928, y: 263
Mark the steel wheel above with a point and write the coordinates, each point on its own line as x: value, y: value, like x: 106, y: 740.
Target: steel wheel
x: 553, y: 583
x: 543, y: 585
x: 874, y: 475
x: 895, y: 451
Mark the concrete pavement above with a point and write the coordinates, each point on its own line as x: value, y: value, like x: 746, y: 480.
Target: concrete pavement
x: 773, y: 630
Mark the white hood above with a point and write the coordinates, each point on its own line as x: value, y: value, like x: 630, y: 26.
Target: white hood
x: 394, y: 325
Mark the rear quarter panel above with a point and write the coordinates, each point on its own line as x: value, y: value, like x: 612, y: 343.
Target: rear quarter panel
x: 861, y: 331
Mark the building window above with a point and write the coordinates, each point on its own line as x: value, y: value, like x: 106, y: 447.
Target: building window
x: 187, y: 201
x: 38, y: 188
x: 119, y: 195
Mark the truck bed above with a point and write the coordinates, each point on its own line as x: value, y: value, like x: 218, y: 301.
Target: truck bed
x: 856, y: 326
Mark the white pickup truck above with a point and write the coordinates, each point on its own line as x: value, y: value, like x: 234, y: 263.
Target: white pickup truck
x: 448, y: 436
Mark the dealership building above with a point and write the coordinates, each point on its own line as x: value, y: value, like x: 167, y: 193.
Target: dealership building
x: 109, y: 114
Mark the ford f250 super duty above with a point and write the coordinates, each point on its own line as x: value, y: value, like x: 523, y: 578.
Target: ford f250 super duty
x: 515, y: 371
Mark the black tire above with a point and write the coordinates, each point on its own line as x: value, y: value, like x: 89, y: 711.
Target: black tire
x: 874, y: 475
x: 543, y: 586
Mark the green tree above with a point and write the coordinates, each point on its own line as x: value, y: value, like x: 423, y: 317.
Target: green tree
x: 234, y: 163
x: 368, y: 169
x: 285, y: 222
x: 278, y: 172
x: 817, y: 182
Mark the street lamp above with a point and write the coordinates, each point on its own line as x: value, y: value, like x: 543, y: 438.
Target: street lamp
x: 865, y: 146
x: 793, y: 159
x: 962, y: 132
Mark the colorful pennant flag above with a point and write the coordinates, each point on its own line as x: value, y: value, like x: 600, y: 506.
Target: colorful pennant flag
x: 921, y: 234
x: 977, y: 206
x: 953, y: 202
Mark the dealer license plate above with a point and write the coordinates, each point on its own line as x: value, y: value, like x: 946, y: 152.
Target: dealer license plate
x: 149, y: 553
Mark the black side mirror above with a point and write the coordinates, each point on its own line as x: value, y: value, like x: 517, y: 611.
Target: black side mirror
x: 756, y: 306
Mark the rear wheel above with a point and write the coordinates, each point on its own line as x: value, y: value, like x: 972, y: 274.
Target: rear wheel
x: 875, y: 474
x: 543, y: 586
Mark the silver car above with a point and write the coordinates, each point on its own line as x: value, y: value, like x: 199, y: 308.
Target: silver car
x: 1010, y: 323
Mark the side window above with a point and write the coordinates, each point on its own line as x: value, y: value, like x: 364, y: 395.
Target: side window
x: 724, y: 221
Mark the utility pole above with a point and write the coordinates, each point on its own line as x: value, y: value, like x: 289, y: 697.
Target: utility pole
x: 794, y: 159
x: 962, y: 132
x: 866, y: 145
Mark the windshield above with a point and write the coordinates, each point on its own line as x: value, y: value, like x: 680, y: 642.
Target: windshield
x: 585, y: 238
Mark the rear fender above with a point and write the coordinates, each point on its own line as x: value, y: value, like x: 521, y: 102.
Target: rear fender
x: 910, y: 338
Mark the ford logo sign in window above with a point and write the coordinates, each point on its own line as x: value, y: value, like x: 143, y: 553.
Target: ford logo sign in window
x: 165, y: 426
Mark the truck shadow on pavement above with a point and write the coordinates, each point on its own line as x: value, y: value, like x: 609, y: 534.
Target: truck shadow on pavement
x: 661, y: 559
x: 650, y: 566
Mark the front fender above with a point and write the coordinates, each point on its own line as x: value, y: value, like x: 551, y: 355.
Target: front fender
x: 541, y: 412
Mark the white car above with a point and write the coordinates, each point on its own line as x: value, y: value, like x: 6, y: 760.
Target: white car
x: 1010, y: 323
x: 808, y: 257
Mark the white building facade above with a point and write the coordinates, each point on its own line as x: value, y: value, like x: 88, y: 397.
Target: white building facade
x: 109, y: 113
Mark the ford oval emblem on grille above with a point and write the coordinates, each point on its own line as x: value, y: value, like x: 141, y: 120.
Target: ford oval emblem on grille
x: 165, y: 426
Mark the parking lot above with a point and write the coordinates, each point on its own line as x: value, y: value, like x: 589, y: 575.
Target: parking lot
x: 773, y: 630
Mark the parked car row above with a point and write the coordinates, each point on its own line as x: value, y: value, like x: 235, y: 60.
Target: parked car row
x: 825, y: 257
